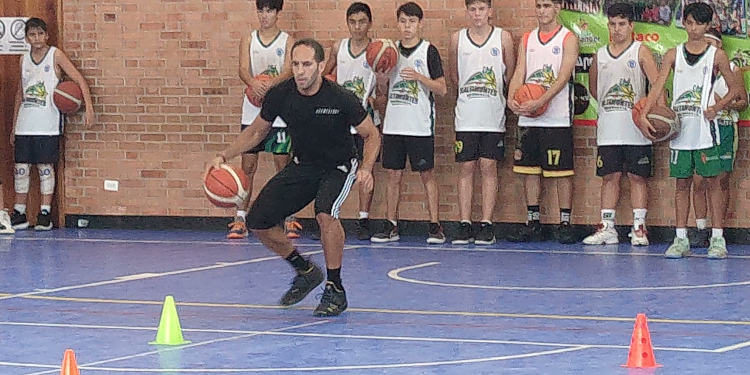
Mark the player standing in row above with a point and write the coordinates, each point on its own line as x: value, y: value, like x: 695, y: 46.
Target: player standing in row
x: 727, y: 120
x: 264, y: 51
x: 617, y: 80
x: 696, y: 149
x: 348, y: 62
x: 481, y: 62
x: 547, y: 57
x: 38, y: 124
x: 409, y: 125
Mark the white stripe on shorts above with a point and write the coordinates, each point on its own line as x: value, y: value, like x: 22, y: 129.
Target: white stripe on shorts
x: 350, y: 178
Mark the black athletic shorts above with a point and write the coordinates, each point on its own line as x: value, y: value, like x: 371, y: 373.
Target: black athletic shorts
x: 420, y: 150
x: 37, y: 149
x: 471, y: 146
x: 625, y: 158
x: 545, y: 151
x: 295, y: 186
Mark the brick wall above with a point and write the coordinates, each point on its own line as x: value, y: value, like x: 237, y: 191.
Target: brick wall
x: 166, y: 90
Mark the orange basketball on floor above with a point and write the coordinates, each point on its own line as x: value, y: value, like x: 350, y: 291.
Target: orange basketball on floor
x: 68, y: 97
x: 257, y: 101
x: 226, y: 186
x: 531, y: 91
x: 382, y: 55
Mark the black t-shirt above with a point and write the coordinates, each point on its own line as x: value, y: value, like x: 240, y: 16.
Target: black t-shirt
x: 318, y: 124
x: 434, y: 64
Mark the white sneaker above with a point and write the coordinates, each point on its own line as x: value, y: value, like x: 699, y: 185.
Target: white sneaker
x: 639, y: 237
x: 605, y: 235
x: 5, y: 226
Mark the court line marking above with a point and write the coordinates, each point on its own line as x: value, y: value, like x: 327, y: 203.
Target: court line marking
x: 333, y: 368
x: 115, y: 240
x: 733, y: 347
x: 395, y: 275
x: 350, y: 336
x: 163, y: 349
x: 399, y: 311
x: 143, y: 276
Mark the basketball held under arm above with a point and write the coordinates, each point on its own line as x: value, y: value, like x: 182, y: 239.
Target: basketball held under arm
x: 71, y: 71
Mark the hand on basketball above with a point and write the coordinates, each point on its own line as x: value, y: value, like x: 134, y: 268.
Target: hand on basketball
x: 710, y: 113
x: 514, y: 106
x: 530, y: 106
x: 364, y: 178
x: 215, y: 163
x: 411, y: 75
x: 259, y: 88
x: 645, y: 126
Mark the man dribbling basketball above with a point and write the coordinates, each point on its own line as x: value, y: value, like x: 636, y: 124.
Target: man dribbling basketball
x: 318, y: 114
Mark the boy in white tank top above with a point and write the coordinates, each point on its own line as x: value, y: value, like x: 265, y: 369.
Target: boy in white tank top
x: 696, y: 149
x: 38, y: 124
x: 348, y: 62
x: 264, y: 51
x: 617, y: 80
x: 481, y: 63
x: 547, y: 57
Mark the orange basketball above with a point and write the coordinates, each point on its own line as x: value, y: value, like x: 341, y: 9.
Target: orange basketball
x: 68, y: 97
x: 530, y: 91
x: 663, y: 119
x: 226, y: 186
x: 257, y: 101
x: 382, y: 55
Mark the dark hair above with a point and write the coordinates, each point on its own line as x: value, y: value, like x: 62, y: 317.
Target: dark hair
x: 488, y: 2
x: 276, y: 5
x: 410, y: 9
x: 701, y: 12
x: 35, y: 23
x: 320, y: 53
x: 358, y: 7
x: 622, y: 10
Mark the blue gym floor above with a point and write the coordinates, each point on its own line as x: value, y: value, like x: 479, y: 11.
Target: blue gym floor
x: 540, y: 308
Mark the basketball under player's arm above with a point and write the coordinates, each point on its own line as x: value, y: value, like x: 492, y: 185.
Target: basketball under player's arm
x: 70, y: 70
x: 453, y: 60
x: 721, y: 61
x: 519, y: 75
x: 657, y: 89
x: 436, y: 81
x: 593, y: 77
x: 509, y: 59
x: 367, y: 130
x: 570, y: 55
x: 331, y: 62
x: 258, y: 88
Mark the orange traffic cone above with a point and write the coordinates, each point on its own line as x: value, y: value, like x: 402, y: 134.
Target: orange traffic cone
x: 641, y: 353
x: 69, y: 366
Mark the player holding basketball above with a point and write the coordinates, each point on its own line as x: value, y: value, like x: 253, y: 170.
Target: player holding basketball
x: 481, y: 62
x: 727, y: 120
x: 349, y: 62
x: 318, y: 114
x: 38, y: 124
x: 617, y: 80
x: 696, y: 150
x: 547, y: 57
x: 264, y: 51
x: 408, y: 128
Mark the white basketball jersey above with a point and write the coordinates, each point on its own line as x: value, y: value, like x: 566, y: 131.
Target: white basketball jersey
x: 410, y: 109
x: 620, y: 84
x: 543, y: 62
x: 264, y: 59
x: 480, y: 106
x: 38, y: 114
x: 354, y: 74
x: 726, y: 117
x: 692, y: 88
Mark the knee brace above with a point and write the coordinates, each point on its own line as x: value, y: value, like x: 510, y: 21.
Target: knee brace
x: 21, y: 178
x: 46, y: 178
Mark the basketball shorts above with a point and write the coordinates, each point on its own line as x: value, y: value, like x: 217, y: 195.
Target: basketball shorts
x: 471, y: 146
x: 277, y: 142
x: 704, y: 163
x: 419, y: 150
x: 37, y: 149
x: 728, y: 146
x: 633, y: 159
x: 545, y: 151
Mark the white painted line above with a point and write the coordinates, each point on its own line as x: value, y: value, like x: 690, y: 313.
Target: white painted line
x: 733, y: 347
x: 162, y: 242
x: 395, y: 274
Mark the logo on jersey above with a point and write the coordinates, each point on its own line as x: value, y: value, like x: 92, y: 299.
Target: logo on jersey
x: 279, y: 51
x: 619, y: 97
x: 585, y: 37
x: 418, y: 63
x: 689, y: 103
x: 36, y: 94
x: 327, y: 111
x: 480, y: 84
x: 544, y: 76
x: 46, y: 68
x: 725, y: 118
x: 494, y: 51
x: 271, y: 71
x: 631, y: 64
x: 357, y: 86
x: 404, y: 93
x: 556, y: 50
x: 365, y: 64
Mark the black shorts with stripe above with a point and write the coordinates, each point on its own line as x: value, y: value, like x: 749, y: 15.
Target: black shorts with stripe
x: 295, y: 186
x: 546, y: 151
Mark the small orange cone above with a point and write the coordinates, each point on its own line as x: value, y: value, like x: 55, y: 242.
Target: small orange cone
x: 69, y: 366
x: 641, y: 353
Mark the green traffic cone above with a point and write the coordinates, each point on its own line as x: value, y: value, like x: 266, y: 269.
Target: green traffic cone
x: 169, y: 332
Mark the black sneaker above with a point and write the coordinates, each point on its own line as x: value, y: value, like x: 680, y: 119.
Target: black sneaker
x: 565, y: 234
x: 464, y: 235
x: 531, y: 232
x: 436, y: 235
x: 18, y: 220
x: 332, y: 303
x: 43, y: 221
x: 302, y: 285
x: 363, y: 230
x: 699, y: 237
x: 389, y: 233
x: 486, y: 234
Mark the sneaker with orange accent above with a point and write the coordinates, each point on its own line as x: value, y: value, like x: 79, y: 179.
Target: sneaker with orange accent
x: 639, y: 237
x: 237, y: 230
x: 293, y: 229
